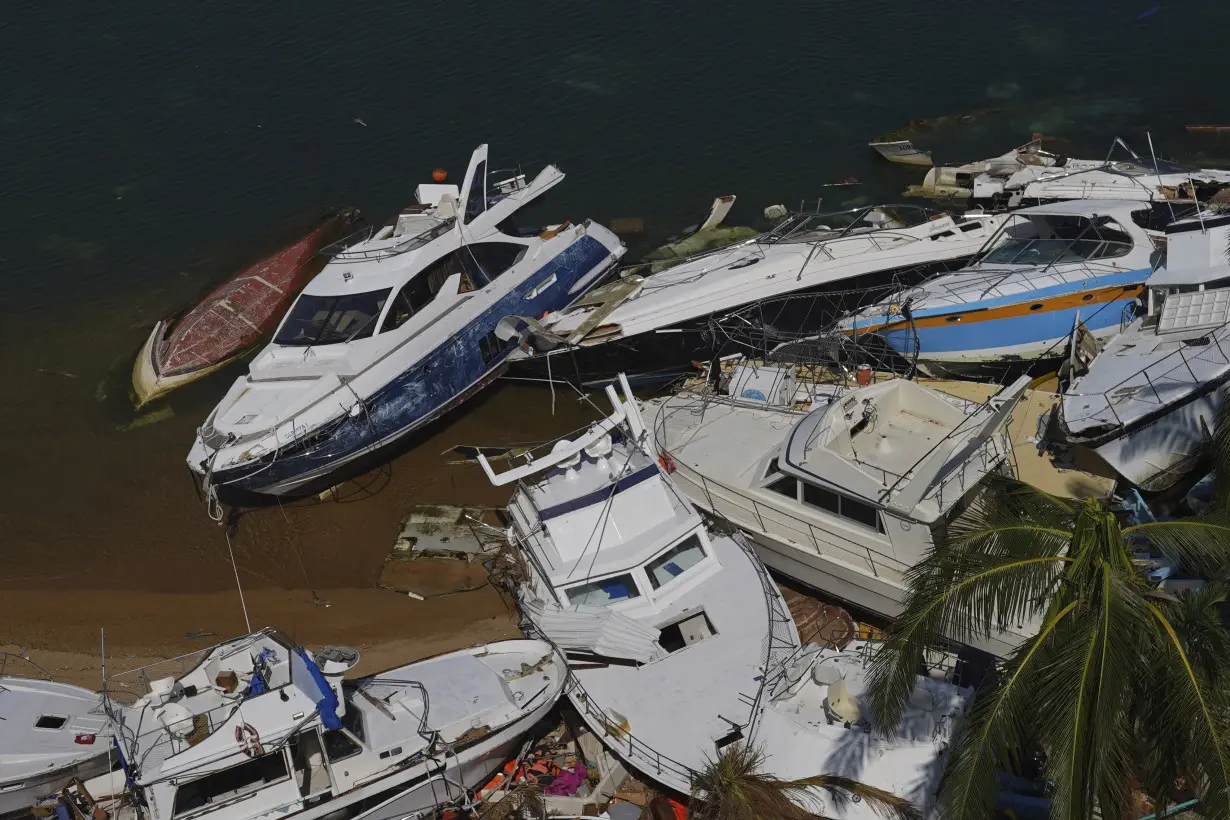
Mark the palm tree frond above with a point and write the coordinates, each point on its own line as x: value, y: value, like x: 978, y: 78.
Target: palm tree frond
x: 1200, y: 545
x: 993, y: 734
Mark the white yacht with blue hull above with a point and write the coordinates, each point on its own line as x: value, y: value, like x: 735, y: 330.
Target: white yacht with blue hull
x: 397, y: 329
x: 1015, y: 305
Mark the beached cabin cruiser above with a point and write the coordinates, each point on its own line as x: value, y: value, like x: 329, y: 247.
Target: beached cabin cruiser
x: 679, y: 643
x: 1016, y: 304
x: 1030, y: 175
x: 258, y: 728
x: 848, y: 496
x: 747, y: 297
x: 1148, y: 401
x: 396, y: 330
x: 49, y: 732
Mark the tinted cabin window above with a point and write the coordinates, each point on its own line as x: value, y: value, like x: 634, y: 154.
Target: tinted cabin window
x: 50, y: 722
x: 219, y: 787
x: 419, y: 291
x: 323, y: 320
x: 487, y: 260
x: 339, y: 745
x: 822, y: 498
x: 675, y: 561
x: 606, y: 591
x: 864, y: 514
x: 786, y: 487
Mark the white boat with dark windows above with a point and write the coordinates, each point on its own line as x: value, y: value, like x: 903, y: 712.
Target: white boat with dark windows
x: 1148, y: 401
x: 397, y: 329
x: 257, y: 728
x: 792, y: 281
x: 49, y: 732
x: 678, y: 641
x: 1031, y: 175
x: 1014, y: 306
x: 847, y: 489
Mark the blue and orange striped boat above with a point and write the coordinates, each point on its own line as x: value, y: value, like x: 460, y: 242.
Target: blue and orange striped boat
x: 1016, y: 303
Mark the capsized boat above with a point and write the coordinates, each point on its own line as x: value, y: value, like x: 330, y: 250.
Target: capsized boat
x: 51, y: 732
x: 1015, y: 304
x: 256, y: 727
x: 233, y: 316
x: 678, y: 641
x: 847, y: 489
x: 748, y: 297
x: 1029, y: 175
x: 396, y: 330
x: 1148, y: 400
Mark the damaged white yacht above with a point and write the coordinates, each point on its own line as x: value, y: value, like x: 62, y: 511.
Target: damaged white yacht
x: 678, y: 641
x: 1148, y: 401
x: 792, y: 281
x: 257, y: 728
x: 845, y: 497
x: 394, y: 331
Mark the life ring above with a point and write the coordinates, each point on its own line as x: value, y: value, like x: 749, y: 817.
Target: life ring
x: 247, y: 737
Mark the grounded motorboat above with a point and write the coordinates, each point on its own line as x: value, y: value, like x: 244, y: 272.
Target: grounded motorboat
x: 848, y: 492
x: 49, y: 732
x: 1015, y: 305
x: 257, y: 728
x: 232, y: 317
x: 394, y: 331
x: 748, y: 297
x: 1148, y: 401
x: 1030, y: 175
x: 678, y: 641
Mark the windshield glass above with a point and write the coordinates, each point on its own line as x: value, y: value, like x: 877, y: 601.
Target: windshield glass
x: 325, y: 320
x: 1042, y: 240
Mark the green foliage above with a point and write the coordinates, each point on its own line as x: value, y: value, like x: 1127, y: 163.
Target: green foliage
x: 1121, y: 685
x: 733, y: 786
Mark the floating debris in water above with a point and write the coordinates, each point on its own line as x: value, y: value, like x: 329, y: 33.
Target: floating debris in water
x: 360, y: 122
x: 197, y: 634
x: 63, y: 373
x: 1149, y: 12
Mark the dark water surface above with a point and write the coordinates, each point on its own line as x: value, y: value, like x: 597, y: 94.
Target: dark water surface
x: 148, y: 147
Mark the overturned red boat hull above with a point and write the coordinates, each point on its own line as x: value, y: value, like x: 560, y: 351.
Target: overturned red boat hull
x: 232, y: 317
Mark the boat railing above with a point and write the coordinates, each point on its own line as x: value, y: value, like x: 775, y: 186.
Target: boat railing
x: 613, y: 735
x: 345, y: 250
x: 987, y: 457
x: 1158, y: 373
x: 771, y: 519
x: 22, y: 661
x: 991, y: 278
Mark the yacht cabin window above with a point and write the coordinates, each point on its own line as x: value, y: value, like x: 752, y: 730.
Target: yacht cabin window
x: 820, y: 498
x: 604, y: 592
x: 422, y: 289
x: 339, y: 745
x: 220, y: 787
x: 487, y: 260
x: 324, y: 320
x: 675, y: 561
x: 1047, y: 239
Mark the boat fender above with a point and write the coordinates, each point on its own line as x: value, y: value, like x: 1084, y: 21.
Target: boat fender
x: 666, y: 463
x: 247, y: 737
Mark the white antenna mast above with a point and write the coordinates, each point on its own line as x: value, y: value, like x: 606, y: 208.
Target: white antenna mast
x: 1158, y: 172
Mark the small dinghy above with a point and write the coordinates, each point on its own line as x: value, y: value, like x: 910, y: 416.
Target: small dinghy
x: 680, y: 644
x: 49, y: 732
x: 257, y: 728
x: 233, y: 316
x: 395, y: 331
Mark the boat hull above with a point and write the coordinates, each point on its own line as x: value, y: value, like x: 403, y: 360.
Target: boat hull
x: 976, y: 341
x: 17, y: 798
x: 430, y: 386
x: 232, y: 317
x: 661, y: 355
